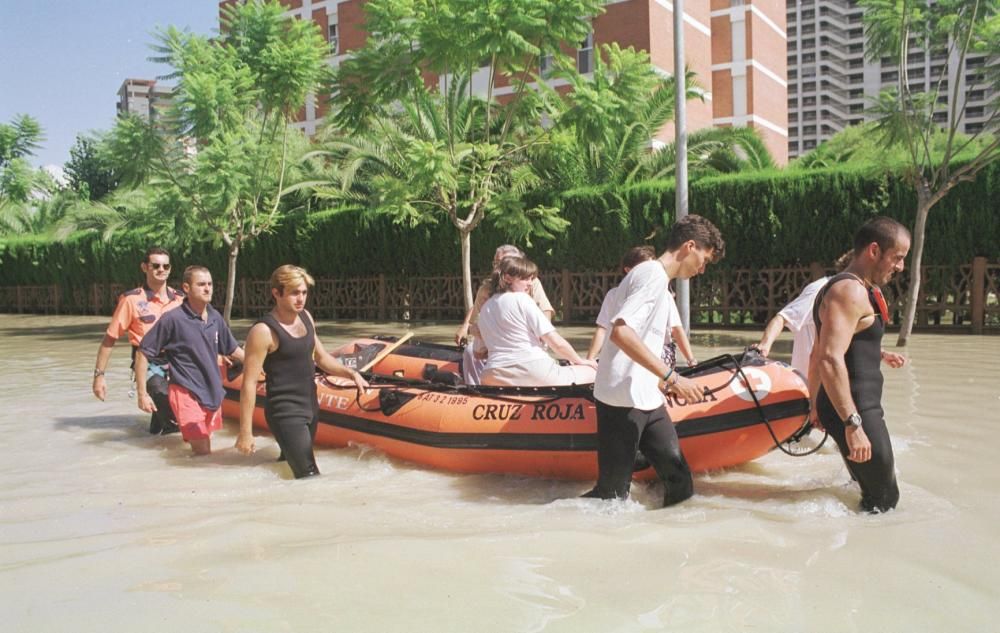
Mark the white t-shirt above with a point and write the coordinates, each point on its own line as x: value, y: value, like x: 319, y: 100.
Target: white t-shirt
x: 537, y: 293
x: 512, y: 325
x: 798, y: 315
x: 673, y: 316
x: 604, y: 316
x: 642, y: 301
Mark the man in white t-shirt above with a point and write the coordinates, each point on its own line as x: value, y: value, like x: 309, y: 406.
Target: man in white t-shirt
x: 797, y: 317
x: 631, y: 375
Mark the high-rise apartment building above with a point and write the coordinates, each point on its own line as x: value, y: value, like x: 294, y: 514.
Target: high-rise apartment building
x: 143, y: 97
x: 831, y: 84
x: 735, y: 48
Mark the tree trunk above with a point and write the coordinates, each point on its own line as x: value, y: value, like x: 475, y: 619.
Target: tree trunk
x: 465, y: 238
x: 234, y: 251
x: 924, y: 204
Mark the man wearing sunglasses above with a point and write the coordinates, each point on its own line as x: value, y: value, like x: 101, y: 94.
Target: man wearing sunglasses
x: 845, y: 378
x: 137, y: 311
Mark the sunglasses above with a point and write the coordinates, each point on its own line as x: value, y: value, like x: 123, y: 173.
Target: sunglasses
x: 158, y: 266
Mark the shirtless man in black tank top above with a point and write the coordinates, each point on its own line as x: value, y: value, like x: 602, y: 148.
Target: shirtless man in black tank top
x: 844, y: 374
x: 285, y: 345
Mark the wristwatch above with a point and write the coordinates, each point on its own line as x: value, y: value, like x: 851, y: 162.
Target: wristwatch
x: 853, y: 420
x: 98, y: 372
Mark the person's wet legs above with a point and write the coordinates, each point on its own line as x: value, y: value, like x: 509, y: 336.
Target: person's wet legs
x: 617, y: 439
x: 162, y: 420
x: 660, y: 445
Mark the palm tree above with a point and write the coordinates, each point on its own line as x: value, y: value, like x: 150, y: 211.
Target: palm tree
x: 607, y: 121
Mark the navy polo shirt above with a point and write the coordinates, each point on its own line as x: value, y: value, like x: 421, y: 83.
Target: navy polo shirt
x: 192, y: 346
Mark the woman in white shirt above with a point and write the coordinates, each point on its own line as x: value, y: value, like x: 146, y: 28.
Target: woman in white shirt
x: 513, y: 330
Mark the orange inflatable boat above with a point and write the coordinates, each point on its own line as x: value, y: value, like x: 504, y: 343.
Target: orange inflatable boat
x: 416, y: 410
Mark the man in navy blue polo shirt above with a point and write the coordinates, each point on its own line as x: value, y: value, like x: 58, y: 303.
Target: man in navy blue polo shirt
x: 191, y: 338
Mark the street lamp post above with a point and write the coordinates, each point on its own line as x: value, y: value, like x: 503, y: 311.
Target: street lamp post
x: 680, y: 138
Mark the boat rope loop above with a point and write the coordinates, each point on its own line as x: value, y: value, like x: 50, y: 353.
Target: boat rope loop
x: 721, y: 361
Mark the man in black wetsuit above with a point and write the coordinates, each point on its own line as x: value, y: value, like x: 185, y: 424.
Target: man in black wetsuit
x: 844, y: 374
x: 285, y: 345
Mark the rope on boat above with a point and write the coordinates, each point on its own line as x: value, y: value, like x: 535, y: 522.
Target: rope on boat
x: 518, y: 394
x: 798, y: 435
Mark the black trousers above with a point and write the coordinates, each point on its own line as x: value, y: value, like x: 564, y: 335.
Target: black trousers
x: 162, y: 421
x: 877, y: 476
x: 622, y: 430
x: 295, y: 435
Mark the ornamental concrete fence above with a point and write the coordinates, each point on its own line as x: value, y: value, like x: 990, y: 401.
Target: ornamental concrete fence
x: 962, y: 298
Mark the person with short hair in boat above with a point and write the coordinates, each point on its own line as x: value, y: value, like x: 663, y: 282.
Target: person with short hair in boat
x: 512, y: 332
x: 677, y: 338
x: 472, y: 367
x: 191, y: 338
x: 845, y: 377
x: 632, y: 376
x: 284, y: 344
x: 137, y: 312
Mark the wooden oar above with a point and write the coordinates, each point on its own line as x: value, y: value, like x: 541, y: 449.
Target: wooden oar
x: 388, y: 350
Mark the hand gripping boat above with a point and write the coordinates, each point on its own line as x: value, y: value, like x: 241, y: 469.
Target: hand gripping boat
x: 416, y: 411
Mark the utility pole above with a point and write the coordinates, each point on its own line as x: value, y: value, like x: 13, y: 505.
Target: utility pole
x: 680, y: 139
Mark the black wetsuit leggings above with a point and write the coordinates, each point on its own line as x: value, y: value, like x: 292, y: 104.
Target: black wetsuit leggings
x: 162, y: 420
x: 620, y: 430
x: 877, y: 476
x: 295, y: 435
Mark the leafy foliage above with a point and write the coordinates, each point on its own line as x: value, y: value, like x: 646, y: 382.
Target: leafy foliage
x: 605, y: 123
x: 906, y: 115
x: 90, y: 169
x: 421, y: 154
x: 218, y: 162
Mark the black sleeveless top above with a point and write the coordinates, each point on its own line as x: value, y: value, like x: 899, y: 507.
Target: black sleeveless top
x: 291, y: 389
x: 863, y: 356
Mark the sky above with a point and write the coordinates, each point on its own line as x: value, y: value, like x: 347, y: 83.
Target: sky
x: 62, y: 61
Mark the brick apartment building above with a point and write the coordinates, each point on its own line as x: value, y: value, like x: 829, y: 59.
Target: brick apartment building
x: 736, y: 48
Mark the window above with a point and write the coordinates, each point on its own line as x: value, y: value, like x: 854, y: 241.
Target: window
x: 585, y: 55
x: 545, y: 66
x: 333, y: 37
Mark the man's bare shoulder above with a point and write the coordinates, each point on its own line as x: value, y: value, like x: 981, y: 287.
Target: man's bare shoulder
x: 260, y: 333
x: 847, y: 291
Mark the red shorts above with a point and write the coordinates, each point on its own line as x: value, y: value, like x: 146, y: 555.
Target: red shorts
x: 196, y: 422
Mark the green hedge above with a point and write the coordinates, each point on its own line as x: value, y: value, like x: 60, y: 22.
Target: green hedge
x: 768, y: 219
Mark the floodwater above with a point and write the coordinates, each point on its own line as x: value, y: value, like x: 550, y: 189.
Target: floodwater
x: 105, y: 528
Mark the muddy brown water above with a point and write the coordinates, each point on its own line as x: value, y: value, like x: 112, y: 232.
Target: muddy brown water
x: 105, y: 528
